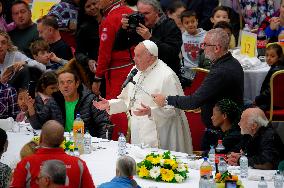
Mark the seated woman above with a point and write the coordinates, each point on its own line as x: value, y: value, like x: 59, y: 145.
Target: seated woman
x: 5, y: 170
x: 125, y: 170
x: 275, y: 59
x: 226, y: 115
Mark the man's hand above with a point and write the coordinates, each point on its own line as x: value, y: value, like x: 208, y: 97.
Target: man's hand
x: 124, y: 21
x: 274, y: 23
x: 29, y: 101
x: 102, y: 105
x: 233, y: 158
x: 7, y: 74
x: 159, y: 99
x: 143, y: 31
x: 92, y: 66
x: 18, y: 65
x: 96, y: 88
x: 144, y: 111
x: 54, y: 58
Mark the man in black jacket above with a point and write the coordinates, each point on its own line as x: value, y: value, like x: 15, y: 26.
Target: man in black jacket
x: 224, y: 81
x: 261, y: 143
x: 72, y: 99
x: 157, y: 28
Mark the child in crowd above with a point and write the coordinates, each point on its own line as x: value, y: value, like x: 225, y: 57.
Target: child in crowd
x: 3, y: 24
x: 275, y: 59
x: 22, y: 96
x: 41, y: 53
x: 192, y: 39
x: 174, y: 12
x: 221, y: 13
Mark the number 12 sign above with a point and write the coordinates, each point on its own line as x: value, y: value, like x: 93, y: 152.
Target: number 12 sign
x: 41, y: 8
x: 248, y: 44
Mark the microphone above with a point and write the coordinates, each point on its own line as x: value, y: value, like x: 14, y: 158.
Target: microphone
x: 129, y: 78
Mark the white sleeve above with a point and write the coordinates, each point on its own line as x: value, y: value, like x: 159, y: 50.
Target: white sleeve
x: 33, y: 63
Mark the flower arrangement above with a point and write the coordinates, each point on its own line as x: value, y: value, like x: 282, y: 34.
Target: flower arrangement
x: 162, y: 167
x: 221, y: 179
x: 66, y: 144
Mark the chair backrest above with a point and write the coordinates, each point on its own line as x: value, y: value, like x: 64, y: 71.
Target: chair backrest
x: 277, y: 91
x: 198, y: 79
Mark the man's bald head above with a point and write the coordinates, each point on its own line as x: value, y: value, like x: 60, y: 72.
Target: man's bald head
x: 52, y: 134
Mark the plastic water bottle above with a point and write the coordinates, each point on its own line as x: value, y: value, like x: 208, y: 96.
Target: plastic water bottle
x: 244, y: 166
x: 211, y: 157
x: 262, y: 183
x: 202, y: 182
x: 222, y: 166
x: 67, y: 151
x: 205, y: 168
x: 78, y: 133
x: 212, y: 183
x: 121, y: 145
x: 246, y: 28
x: 220, y: 152
x: 261, y: 42
x: 76, y: 152
x: 87, y: 143
x: 278, y: 180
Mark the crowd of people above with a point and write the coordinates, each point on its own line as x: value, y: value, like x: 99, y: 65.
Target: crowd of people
x: 128, y: 63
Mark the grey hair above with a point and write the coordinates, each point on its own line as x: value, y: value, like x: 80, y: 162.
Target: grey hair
x: 219, y: 37
x: 56, y: 170
x: 258, y: 119
x: 126, y: 165
x: 154, y: 3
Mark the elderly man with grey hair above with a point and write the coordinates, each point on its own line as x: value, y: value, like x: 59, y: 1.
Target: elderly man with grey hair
x: 260, y: 142
x: 52, y: 174
x: 125, y: 170
x: 224, y: 81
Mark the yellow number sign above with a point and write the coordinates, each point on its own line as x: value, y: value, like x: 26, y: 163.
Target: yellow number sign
x: 248, y: 44
x: 41, y: 8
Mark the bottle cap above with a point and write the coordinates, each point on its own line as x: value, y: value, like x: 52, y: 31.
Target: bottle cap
x: 205, y: 158
x: 262, y: 178
x: 220, y: 141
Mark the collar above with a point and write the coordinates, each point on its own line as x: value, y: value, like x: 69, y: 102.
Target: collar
x: 219, y: 59
x: 111, y: 7
x: 150, y: 68
x: 45, y: 150
x: 44, y: 97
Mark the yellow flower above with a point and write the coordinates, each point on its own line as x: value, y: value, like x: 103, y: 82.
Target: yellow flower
x: 72, y: 147
x: 156, y: 160
x: 167, y: 175
x: 149, y: 158
x: 143, y: 172
x: 171, y: 162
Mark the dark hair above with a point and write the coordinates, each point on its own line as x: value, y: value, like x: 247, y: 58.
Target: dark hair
x: 131, y: 2
x: 18, y: 2
x: 231, y: 109
x: 223, y: 25
x: 46, y: 79
x: 50, y: 21
x: 279, y: 51
x: 3, y: 139
x: 175, y: 5
x: 222, y: 8
x: 188, y: 13
x: 37, y: 46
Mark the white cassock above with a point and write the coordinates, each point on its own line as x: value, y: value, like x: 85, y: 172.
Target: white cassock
x: 167, y: 127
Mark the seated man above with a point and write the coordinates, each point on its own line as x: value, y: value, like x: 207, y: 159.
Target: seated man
x: 262, y: 144
x: 52, y: 174
x: 52, y: 135
x: 125, y: 169
x: 8, y: 102
x: 71, y: 99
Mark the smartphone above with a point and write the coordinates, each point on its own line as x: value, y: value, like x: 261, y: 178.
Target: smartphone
x: 32, y: 88
x: 231, y: 184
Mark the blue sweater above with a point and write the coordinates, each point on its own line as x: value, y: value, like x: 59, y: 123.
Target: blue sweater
x: 118, y: 182
x: 273, y: 33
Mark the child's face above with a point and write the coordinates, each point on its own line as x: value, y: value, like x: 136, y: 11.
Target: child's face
x: 271, y: 57
x: 220, y: 15
x: 176, y: 16
x: 190, y: 24
x: 42, y: 57
x: 22, y: 95
x: 50, y: 89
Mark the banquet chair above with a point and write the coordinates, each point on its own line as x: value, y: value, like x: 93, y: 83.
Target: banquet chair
x: 196, y: 125
x: 276, y: 112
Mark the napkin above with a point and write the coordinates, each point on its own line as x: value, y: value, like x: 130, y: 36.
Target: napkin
x: 255, y: 175
x: 137, y: 152
x: 195, y: 164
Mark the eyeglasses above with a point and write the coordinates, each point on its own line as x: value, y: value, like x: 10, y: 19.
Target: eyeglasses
x: 204, y: 45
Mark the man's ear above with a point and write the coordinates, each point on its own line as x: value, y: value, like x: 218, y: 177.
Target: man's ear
x: 212, y: 20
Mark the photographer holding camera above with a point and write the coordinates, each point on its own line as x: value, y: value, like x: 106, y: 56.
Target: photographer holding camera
x: 150, y: 23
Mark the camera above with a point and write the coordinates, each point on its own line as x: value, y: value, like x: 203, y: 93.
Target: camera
x: 134, y: 20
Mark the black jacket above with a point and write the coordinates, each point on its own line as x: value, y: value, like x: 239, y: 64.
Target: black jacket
x: 224, y: 81
x: 165, y: 34
x: 231, y: 138
x: 264, y: 147
x: 95, y: 120
x: 263, y: 99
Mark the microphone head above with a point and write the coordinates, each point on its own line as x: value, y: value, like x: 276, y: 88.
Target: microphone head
x: 134, y: 71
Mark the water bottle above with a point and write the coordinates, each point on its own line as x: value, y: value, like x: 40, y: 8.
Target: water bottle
x: 220, y: 152
x: 76, y: 152
x: 121, y: 145
x: 202, y: 182
x: 78, y: 133
x: 244, y: 166
x: 87, y: 143
x: 212, y: 183
x: 67, y: 151
x: 262, y: 183
x: 205, y: 168
x: 222, y: 166
x: 278, y: 180
x: 261, y: 43
x: 246, y: 28
x: 71, y: 152
x: 211, y: 157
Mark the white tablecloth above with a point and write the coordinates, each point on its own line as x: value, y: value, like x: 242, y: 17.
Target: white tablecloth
x: 101, y: 162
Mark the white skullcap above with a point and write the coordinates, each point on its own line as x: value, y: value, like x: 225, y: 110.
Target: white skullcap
x: 151, y: 47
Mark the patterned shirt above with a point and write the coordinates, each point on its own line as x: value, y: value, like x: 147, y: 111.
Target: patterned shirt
x: 8, y: 102
x: 64, y: 12
x: 5, y: 173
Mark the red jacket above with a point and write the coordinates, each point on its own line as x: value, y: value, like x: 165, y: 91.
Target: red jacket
x: 108, y: 29
x: 27, y: 170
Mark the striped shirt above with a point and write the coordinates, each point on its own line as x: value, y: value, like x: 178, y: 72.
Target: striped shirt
x: 8, y: 102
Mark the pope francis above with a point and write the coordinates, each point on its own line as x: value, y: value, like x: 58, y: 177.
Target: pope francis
x: 164, y: 127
